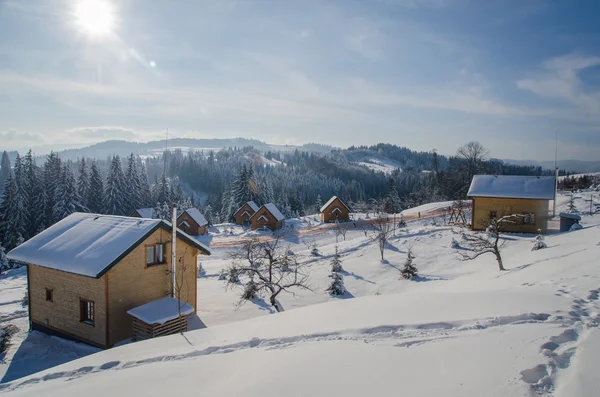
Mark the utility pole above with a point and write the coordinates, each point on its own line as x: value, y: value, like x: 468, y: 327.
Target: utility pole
x: 555, y: 175
x: 165, y: 154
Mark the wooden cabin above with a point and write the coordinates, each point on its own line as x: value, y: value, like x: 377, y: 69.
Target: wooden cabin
x: 267, y: 216
x: 192, y: 222
x: 244, y: 213
x: 335, y: 210
x: 85, y: 272
x: 143, y: 213
x: 495, y: 196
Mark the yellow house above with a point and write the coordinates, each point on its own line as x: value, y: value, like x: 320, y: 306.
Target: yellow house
x: 87, y: 271
x: 495, y: 196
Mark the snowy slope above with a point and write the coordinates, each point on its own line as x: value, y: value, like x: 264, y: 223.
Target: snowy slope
x: 486, y: 333
x: 387, y: 166
x: 464, y: 329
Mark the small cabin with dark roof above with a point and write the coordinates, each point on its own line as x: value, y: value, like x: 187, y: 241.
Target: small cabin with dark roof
x: 143, y: 213
x: 335, y: 210
x: 244, y: 213
x: 192, y: 222
x: 268, y: 216
x: 495, y: 196
x: 87, y: 271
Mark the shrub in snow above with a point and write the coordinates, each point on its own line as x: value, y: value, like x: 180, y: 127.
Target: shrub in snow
x: 250, y: 290
x: 201, y: 271
x: 402, y: 223
x: 233, y: 275
x: 576, y: 226
x: 315, y: 251
x: 454, y: 244
x: 538, y: 242
x: 223, y: 274
x: 25, y: 301
x: 409, y: 270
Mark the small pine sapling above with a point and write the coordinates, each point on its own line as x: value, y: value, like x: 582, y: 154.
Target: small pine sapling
x: 454, y: 244
x: 538, y: 242
x: 336, y: 287
x: 223, y: 274
x: 336, y: 262
x: 409, y: 271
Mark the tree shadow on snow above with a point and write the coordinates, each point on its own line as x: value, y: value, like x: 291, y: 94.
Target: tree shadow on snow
x: 263, y: 305
x: 386, y: 262
x: 424, y: 279
x: 39, y: 352
x: 356, y: 276
x: 347, y: 295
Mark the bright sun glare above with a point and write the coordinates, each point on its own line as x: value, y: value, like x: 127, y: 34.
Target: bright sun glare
x: 94, y: 17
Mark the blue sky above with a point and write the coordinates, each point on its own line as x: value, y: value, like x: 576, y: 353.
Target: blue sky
x: 419, y: 73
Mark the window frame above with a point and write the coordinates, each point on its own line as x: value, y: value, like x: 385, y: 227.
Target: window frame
x: 155, y: 251
x: 84, y: 309
x: 49, y: 293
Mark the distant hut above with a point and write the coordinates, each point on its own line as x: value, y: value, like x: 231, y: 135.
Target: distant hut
x: 245, y: 212
x: 495, y: 196
x: 87, y: 271
x: 335, y: 210
x: 267, y: 216
x: 143, y: 213
x: 192, y: 222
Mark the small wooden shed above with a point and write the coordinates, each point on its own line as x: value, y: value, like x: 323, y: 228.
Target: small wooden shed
x: 335, y: 210
x: 495, y: 196
x: 87, y: 271
x: 567, y: 221
x: 192, y: 222
x: 267, y: 216
x: 164, y: 316
x: 244, y: 213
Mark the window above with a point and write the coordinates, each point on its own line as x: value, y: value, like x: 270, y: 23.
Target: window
x: 49, y: 295
x: 155, y: 254
x: 529, y: 219
x: 86, y: 311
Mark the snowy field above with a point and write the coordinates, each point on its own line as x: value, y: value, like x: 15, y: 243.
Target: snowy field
x: 387, y: 166
x: 460, y: 329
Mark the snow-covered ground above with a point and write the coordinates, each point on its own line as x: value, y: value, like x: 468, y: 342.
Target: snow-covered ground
x: 560, y: 178
x: 461, y: 329
x: 387, y: 166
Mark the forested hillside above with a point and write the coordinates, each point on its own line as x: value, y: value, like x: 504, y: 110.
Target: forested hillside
x: 36, y: 195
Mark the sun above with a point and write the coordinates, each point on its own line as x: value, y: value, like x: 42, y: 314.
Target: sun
x: 94, y: 17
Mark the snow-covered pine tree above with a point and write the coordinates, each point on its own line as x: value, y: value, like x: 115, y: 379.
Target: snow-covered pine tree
x: 67, y: 196
x: 94, y: 199
x: 36, y: 203
x: 7, y: 206
x: 4, y: 262
x: 409, y: 271
x: 162, y: 190
x: 83, y: 181
x: 318, y: 202
x: 336, y: 287
x: 115, y: 189
x: 52, y: 168
x: 572, y: 209
x: 20, y: 216
x: 392, y: 199
x: 4, y: 169
x: 145, y: 192
x: 134, y: 187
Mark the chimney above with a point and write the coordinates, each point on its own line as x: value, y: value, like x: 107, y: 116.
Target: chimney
x: 173, y: 250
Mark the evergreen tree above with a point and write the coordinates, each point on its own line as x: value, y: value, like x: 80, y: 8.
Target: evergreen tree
x: 115, y: 189
x: 94, y: 199
x: 133, y: 199
x: 145, y: 192
x: 21, y: 216
x: 83, y: 182
x: 7, y: 208
x: 67, y: 197
x: 409, y: 271
x: 31, y: 176
x: 4, y: 262
x: 392, y: 200
x: 51, y: 176
x: 336, y: 287
x: 4, y: 169
x: 162, y: 190
x: 318, y: 202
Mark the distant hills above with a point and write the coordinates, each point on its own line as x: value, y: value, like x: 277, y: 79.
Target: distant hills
x: 569, y: 165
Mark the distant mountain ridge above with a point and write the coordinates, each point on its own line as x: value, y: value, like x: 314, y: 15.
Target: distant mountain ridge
x: 569, y: 165
x: 124, y: 148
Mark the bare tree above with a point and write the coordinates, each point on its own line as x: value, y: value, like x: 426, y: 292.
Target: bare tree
x: 488, y: 242
x: 382, y: 230
x: 340, y: 230
x: 179, y: 285
x: 269, y: 268
x: 474, y: 154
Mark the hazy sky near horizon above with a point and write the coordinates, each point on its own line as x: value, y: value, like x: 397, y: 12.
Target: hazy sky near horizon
x: 419, y: 73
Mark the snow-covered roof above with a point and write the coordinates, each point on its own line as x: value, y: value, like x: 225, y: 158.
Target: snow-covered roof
x: 569, y: 216
x: 161, y: 310
x: 146, y: 212
x: 274, y: 211
x: 513, y: 186
x: 90, y: 244
x: 197, y: 216
x: 252, y: 205
x: 331, y: 200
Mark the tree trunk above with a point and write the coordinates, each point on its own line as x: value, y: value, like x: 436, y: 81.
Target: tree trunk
x: 499, y: 258
x: 275, y: 303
